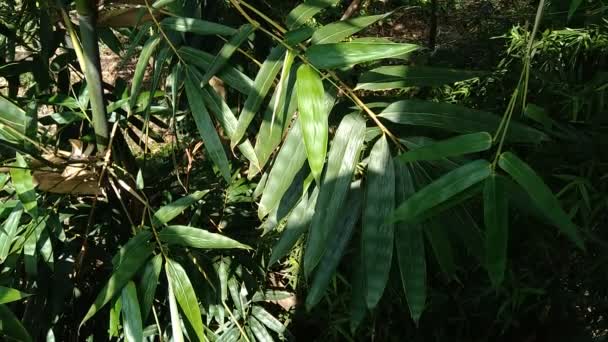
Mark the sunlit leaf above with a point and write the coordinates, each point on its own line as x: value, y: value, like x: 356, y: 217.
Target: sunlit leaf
x: 304, y: 12
x: 24, y: 185
x: 403, y: 76
x: 197, y: 238
x: 337, y: 31
x: 337, y: 55
x: 198, y: 26
x: 184, y: 293
x: 131, y: 314
x: 140, y: 69
x: 173, y: 209
x: 8, y: 295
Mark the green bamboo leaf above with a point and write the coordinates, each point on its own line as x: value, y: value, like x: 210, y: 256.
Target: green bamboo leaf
x: 336, y: 246
x: 377, y: 235
x: 140, y: 69
x: 8, y: 295
x: 403, y: 76
x: 413, y: 143
x: 114, y: 328
x: 197, y: 238
x: 184, y: 293
x: 467, y: 230
x: 237, y: 299
x: 11, y: 327
x: 9, y: 231
x: 267, y: 319
x: 540, y: 193
x: 176, y: 324
x: 14, y: 122
x: 131, y: 314
x: 24, y: 185
x: 148, y: 284
x: 313, y: 118
x: 442, y: 247
x: 205, y: 126
x: 456, y: 146
x: 198, y: 26
x: 304, y: 12
x: 287, y: 164
x: 337, y: 31
x: 128, y: 260
x: 496, y: 218
x: 343, y: 157
x: 455, y: 118
x: 263, y: 81
x: 226, y: 52
x: 259, y: 331
x: 337, y: 55
x: 172, y: 210
x: 358, y: 306
x: 409, y: 245
x: 278, y: 114
x: 139, y: 180
x: 231, y: 335
x: 442, y: 189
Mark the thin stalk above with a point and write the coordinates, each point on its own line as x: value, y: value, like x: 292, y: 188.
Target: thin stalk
x: 88, y: 32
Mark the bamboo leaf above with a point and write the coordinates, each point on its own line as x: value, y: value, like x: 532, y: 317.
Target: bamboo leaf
x: 313, y: 118
x: 12, y: 328
x: 8, y: 295
x: 358, y: 306
x: 343, y: 157
x: 173, y: 209
x: 259, y: 331
x: 455, y: 118
x: 287, y: 164
x: 456, y: 146
x: 496, y: 217
x: 267, y: 319
x: 304, y: 12
x: 336, y: 246
x: 197, y: 238
x: 337, y: 55
x: 441, y: 190
x: 128, y: 260
x: 148, y: 284
x: 176, y: 324
x: 403, y: 76
x: 24, y: 185
x: 442, y: 248
x: 198, y: 26
x: 337, y: 31
x: 540, y: 193
x: 131, y: 314
x: 141, y: 66
x: 377, y: 235
x: 184, y: 293
x: 263, y: 81
x: 9, y: 231
x: 13, y: 121
x: 214, y: 146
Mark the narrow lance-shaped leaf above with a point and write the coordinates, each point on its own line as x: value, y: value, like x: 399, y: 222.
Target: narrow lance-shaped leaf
x: 337, y: 31
x: 456, y: 146
x: 337, y: 55
x: 377, y: 235
x: 8, y: 295
x: 343, y: 158
x: 206, y: 128
x: 263, y: 81
x: 267, y: 319
x: 140, y: 69
x: 12, y: 328
x: 304, y: 12
x: 496, y: 217
x: 172, y: 210
x: 176, y: 324
x: 184, y: 293
x: 197, y: 238
x: 358, y: 306
x: 13, y: 121
x: 24, y: 185
x: 442, y: 189
x: 455, y: 118
x: 198, y: 26
x: 540, y: 193
x: 131, y: 314
x: 313, y: 118
x: 259, y: 331
x: 9, y: 231
x: 403, y: 76
x: 148, y: 284
x: 128, y: 261
x: 437, y: 235
x: 409, y: 245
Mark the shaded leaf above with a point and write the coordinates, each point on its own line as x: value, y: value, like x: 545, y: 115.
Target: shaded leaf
x: 442, y: 247
x: 148, y: 284
x: 184, y: 293
x: 131, y: 314
x: 267, y: 319
x: 403, y: 76
x: 11, y: 326
x: 172, y: 210
x: 259, y: 331
x: 496, y: 217
x: 456, y: 146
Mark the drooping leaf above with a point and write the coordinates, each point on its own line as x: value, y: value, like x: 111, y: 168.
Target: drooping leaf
x: 377, y: 235
x: 259, y: 331
x: 198, y: 26
x: 343, y: 157
x: 540, y: 193
x: 267, y: 319
x: 337, y: 55
x: 8, y: 295
x: 128, y: 261
x: 403, y: 76
x: 11, y: 327
x: 437, y: 235
x: 184, y: 293
x: 205, y: 126
x: 336, y: 246
x: 176, y: 324
x: 131, y: 314
x: 358, y: 306
x: 455, y: 118
x: 442, y: 189
x: 172, y: 210
x: 24, y: 185
x: 140, y: 69
x: 9, y: 231
x: 337, y: 31
x: 456, y: 146
x: 313, y: 118
x: 148, y: 284
x: 495, y: 213
x: 304, y: 12
x: 263, y: 81
x: 197, y: 238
